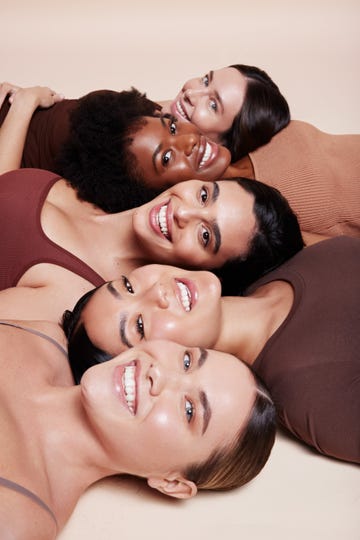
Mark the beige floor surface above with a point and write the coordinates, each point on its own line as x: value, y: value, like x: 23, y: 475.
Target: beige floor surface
x: 311, y: 48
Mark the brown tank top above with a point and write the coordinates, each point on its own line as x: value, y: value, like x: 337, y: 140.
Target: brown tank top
x: 23, y: 243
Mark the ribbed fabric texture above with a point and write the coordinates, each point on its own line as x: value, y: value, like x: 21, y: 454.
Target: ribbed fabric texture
x: 318, y: 173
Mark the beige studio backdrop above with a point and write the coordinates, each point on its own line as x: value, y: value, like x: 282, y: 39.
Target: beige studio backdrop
x: 311, y: 48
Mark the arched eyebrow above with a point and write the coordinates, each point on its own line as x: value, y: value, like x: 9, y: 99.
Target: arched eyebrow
x: 216, y: 93
x: 123, y: 336
x: 203, y: 397
x: 159, y: 146
x: 123, y: 318
x: 215, y: 226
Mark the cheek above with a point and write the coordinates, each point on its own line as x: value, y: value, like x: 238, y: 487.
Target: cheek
x: 165, y: 327
x: 161, y: 427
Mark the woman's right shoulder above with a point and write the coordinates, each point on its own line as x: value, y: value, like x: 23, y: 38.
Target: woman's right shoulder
x: 20, y: 518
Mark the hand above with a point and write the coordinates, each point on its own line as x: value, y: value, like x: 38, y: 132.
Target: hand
x: 7, y: 89
x: 37, y: 96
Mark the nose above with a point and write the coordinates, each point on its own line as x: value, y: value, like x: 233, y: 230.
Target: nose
x: 187, y: 143
x: 191, y: 95
x: 185, y: 213
x: 161, y: 378
x: 157, y: 294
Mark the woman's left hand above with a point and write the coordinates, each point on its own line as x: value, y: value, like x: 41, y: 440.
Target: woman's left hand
x: 39, y: 96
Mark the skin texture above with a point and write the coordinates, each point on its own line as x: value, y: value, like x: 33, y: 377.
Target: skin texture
x: 168, y: 152
x: 186, y: 404
x: 154, y: 302
x: 197, y: 215
x: 171, y: 426
x: 210, y: 102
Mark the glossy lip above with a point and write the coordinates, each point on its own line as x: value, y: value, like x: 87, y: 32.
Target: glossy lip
x: 154, y: 219
x: 194, y: 293
x: 119, y: 385
x: 202, y: 147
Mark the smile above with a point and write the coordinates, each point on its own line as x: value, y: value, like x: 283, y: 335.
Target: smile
x: 129, y: 386
x: 185, y: 295
x: 163, y: 222
x: 181, y: 111
x: 207, y: 153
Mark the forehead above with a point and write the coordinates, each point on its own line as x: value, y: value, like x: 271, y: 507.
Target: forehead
x: 236, y: 219
x: 231, y: 391
x: 231, y: 86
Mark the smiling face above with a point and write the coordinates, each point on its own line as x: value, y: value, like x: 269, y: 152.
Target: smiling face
x: 159, y: 407
x: 196, y: 224
x: 211, y: 102
x: 154, y: 302
x: 168, y: 152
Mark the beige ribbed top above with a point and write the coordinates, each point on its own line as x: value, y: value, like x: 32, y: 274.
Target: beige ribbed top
x: 318, y: 173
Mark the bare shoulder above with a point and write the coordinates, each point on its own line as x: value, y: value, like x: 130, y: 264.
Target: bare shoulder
x: 44, y: 292
x: 20, y: 518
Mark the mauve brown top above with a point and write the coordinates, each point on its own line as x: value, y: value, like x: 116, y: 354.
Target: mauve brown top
x: 311, y: 364
x: 48, y: 130
x: 23, y: 243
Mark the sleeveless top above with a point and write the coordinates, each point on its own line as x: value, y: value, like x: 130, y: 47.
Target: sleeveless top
x: 311, y: 363
x: 5, y: 482
x: 23, y: 242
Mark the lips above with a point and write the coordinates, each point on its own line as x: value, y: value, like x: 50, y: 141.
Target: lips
x: 187, y: 293
x: 160, y: 218
x: 126, y: 386
x: 208, y: 151
x: 178, y: 109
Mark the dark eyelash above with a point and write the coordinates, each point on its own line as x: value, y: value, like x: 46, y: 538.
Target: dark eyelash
x: 127, y: 285
x: 140, y: 326
x: 189, y: 419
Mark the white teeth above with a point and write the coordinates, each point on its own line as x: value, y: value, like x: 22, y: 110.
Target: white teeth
x: 129, y: 387
x: 181, y: 110
x: 206, y: 155
x: 162, y: 220
x: 185, y: 296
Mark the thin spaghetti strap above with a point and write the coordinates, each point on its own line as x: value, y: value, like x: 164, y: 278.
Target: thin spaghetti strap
x: 27, y: 493
x: 37, y: 333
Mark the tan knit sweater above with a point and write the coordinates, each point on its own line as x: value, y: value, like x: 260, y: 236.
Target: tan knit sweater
x: 318, y: 173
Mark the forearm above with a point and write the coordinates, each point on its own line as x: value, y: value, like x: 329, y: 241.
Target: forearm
x: 24, y: 102
x: 13, y: 133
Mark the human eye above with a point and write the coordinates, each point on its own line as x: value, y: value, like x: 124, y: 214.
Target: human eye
x: 173, y: 126
x: 189, y: 410
x: 204, y: 236
x: 213, y: 105
x: 140, y: 327
x: 205, y: 80
x: 204, y: 194
x: 187, y: 361
x: 165, y: 158
x: 127, y: 285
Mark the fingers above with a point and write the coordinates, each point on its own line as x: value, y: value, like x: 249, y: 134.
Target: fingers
x: 7, y: 89
x: 38, y: 96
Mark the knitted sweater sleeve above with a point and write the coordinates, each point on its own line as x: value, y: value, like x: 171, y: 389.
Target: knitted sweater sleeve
x: 318, y: 173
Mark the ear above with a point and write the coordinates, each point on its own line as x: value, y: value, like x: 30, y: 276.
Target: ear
x: 177, y: 487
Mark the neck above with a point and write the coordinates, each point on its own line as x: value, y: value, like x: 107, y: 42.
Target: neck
x: 73, y: 457
x: 106, y: 242
x: 249, y: 321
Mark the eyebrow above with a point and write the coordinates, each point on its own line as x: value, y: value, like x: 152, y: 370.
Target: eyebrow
x: 159, y: 146
x: 123, y: 336
x: 123, y: 319
x: 110, y: 287
x: 215, y: 226
x: 203, y: 397
x: 216, y: 93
